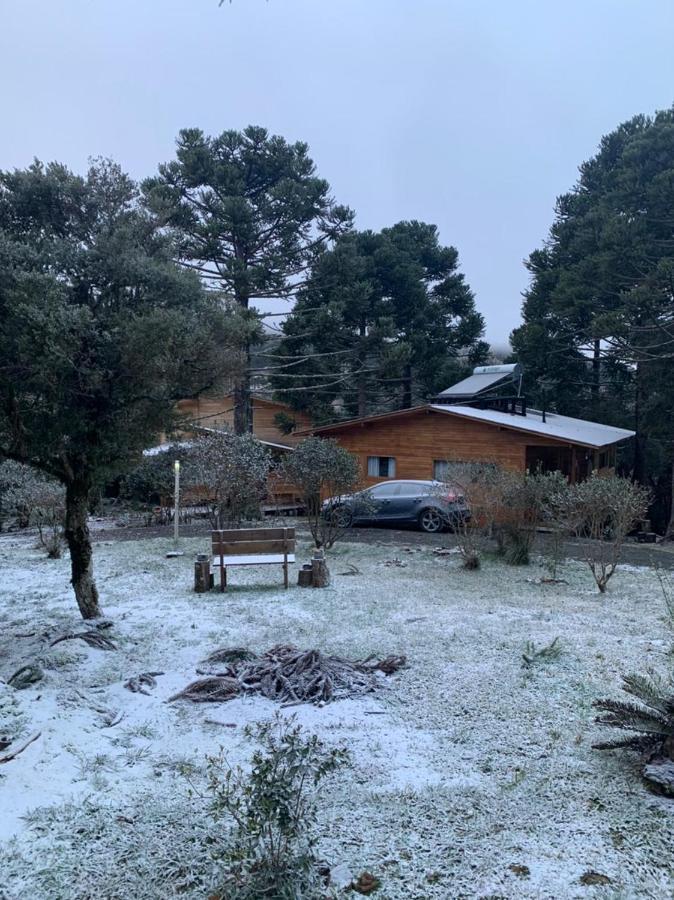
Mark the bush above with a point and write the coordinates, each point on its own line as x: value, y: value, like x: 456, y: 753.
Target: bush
x: 274, y: 809
x: 234, y: 471
x: 152, y: 482
x: 321, y: 469
x: 605, y: 508
x: 517, y: 516
x: 479, y: 484
x: 33, y: 499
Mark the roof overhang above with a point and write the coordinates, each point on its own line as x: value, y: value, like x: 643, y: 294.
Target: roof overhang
x: 561, y: 429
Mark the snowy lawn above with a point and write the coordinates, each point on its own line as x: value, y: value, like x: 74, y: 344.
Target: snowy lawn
x: 470, y: 776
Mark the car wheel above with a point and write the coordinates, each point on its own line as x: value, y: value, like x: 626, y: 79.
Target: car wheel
x: 342, y: 516
x: 431, y: 520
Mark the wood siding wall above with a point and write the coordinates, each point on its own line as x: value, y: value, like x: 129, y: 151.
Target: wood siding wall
x: 212, y: 412
x: 415, y: 441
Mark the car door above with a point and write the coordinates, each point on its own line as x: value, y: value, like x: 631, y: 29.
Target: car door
x: 404, y: 505
x: 378, y: 506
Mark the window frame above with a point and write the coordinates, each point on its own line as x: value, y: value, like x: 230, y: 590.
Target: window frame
x: 376, y: 462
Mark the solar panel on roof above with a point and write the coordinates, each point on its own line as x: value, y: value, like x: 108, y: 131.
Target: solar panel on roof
x: 483, y: 377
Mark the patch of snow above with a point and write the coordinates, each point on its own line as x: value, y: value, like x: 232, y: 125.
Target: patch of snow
x: 463, y: 764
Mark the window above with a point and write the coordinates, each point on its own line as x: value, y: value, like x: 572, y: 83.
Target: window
x: 440, y: 469
x: 382, y: 491
x: 413, y: 489
x: 381, y: 466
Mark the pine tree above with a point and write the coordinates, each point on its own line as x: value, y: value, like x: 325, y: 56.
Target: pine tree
x: 250, y: 216
x: 385, y: 320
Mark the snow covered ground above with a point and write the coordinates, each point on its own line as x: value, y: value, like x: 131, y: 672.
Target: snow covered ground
x: 470, y: 776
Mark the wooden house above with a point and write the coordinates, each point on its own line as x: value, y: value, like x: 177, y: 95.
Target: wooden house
x: 476, y: 420
x: 269, y: 418
x: 218, y: 412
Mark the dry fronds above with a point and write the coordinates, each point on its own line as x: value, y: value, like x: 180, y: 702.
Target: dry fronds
x: 290, y: 676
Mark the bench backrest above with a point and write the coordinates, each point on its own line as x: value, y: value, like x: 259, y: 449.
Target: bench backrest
x: 252, y: 541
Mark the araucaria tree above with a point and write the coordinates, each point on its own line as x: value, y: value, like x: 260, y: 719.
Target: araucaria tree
x: 250, y: 216
x: 100, y: 334
x: 599, y: 314
x: 385, y: 319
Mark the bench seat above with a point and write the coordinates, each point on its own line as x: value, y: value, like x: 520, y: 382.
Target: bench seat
x: 254, y: 559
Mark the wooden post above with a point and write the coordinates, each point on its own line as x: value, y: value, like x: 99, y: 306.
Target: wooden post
x: 285, y: 558
x: 573, y: 466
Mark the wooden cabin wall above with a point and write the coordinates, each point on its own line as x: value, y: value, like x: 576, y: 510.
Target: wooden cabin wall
x: 212, y: 412
x: 417, y: 440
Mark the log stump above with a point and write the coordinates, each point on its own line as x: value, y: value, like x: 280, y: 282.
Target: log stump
x: 203, y: 580
x: 305, y: 576
x: 320, y: 574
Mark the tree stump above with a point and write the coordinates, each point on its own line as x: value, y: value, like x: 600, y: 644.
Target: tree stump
x: 319, y: 570
x: 203, y: 580
x: 305, y: 576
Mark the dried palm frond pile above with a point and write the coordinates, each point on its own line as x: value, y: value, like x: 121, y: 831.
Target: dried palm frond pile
x: 651, y: 720
x: 287, y: 675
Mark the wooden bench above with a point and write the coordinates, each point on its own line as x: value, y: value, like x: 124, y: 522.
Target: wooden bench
x: 252, y: 547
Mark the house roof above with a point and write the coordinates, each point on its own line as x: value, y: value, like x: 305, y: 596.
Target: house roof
x: 562, y: 428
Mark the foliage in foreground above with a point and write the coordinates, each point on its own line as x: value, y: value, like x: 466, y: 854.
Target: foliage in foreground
x: 233, y: 469
x: 100, y: 334
x: 651, y: 717
x: 274, y: 810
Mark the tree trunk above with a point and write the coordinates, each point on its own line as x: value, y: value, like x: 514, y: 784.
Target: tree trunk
x: 361, y: 361
x: 406, y: 399
x: 79, y: 543
x: 669, y: 531
x: 362, y: 396
x: 243, y: 406
x: 596, y: 376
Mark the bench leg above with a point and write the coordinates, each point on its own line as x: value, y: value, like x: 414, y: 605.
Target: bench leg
x: 285, y: 574
x: 223, y: 578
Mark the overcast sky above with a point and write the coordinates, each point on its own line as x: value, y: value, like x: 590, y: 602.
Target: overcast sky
x: 472, y: 114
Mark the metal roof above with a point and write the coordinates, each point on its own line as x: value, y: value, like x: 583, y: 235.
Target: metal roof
x: 562, y: 428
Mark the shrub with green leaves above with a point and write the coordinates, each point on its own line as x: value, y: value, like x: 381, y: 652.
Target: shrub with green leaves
x: 232, y: 472
x: 319, y: 469
x: 604, y: 509
x: 32, y: 498
x: 273, y: 808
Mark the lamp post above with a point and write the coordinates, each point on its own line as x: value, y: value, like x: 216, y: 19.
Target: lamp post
x: 176, y: 497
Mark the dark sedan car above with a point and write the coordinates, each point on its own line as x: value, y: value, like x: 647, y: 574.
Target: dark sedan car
x: 430, y: 505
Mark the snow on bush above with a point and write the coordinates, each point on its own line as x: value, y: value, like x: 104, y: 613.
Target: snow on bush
x: 32, y: 498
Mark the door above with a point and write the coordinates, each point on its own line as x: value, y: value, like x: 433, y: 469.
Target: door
x: 377, y: 505
x: 404, y: 505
